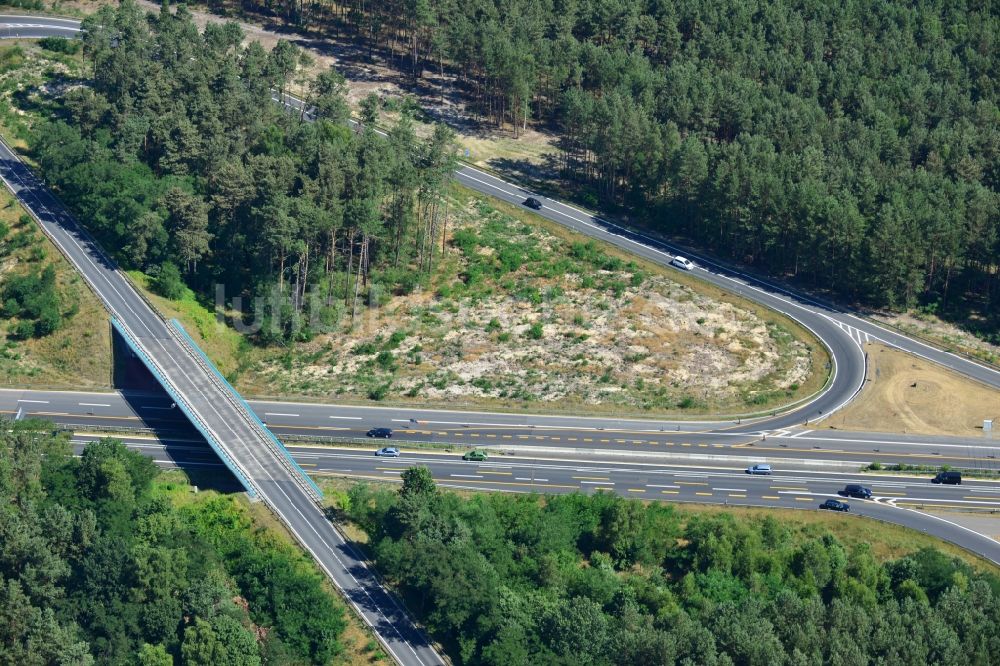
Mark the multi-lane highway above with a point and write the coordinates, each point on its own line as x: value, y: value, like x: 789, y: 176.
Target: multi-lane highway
x: 896, y: 499
x: 534, y: 434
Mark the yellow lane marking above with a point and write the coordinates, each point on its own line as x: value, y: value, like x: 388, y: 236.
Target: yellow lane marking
x: 507, y: 436
x: 522, y: 437
x: 704, y: 494
x: 539, y: 437
x: 669, y: 492
x: 307, y: 464
x: 587, y: 439
x: 770, y: 497
x: 493, y: 436
x: 474, y: 434
x: 571, y: 439
x: 554, y: 439
x: 448, y: 480
x: 803, y: 499
x: 636, y: 490
x: 684, y: 444
x: 704, y: 446
x: 736, y: 495
x: 605, y: 441
x: 442, y: 433
x: 982, y: 497
x: 690, y: 483
x: 858, y: 453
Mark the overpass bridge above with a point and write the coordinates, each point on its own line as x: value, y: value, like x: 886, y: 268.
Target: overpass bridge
x: 245, y: 445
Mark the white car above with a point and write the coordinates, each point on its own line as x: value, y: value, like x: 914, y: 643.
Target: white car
x: 682, y: 262
x: 758, y: 469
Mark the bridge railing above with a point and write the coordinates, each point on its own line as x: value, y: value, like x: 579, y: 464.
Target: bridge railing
x: 210, y: 436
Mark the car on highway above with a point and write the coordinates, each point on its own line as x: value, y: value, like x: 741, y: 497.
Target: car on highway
x: 476, y: 455
x: 380, y: 433
x: 954, y: 478
x: 835, y: 505
x: 388, y: 452
x: 682, y: 262
x: 758, y: 469
x: 854, y: 490
x: 532, y: 202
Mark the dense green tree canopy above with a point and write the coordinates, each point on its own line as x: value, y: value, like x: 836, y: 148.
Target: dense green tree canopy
x: 854, y: 145
x: 578, y: 579
x: 177, y: 158
x: 98, y: 567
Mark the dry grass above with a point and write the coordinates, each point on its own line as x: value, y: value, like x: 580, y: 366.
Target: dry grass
x: 908, y: 394
x: 78, y: 355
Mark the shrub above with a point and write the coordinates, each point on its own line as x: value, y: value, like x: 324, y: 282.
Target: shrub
x: 535, y: 332
x: 493, y: 325
x: 60, y: 45
x: 168, y: 282
x: 379, y: 392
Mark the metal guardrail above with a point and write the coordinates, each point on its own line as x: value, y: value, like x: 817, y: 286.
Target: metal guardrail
x: 213, y: 440
x: 233, y: 396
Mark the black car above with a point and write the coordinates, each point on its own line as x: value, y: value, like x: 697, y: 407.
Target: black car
x: 854, y: 490
x: 835, y: 505
x: 954, y: 478
x: 380, y: 433
x: 532, y: 202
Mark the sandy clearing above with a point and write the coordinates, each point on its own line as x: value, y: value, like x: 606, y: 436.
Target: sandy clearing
x: 908, y: 394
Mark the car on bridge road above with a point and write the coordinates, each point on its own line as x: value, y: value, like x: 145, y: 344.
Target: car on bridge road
x: 759, y: 469
x: 380, y: 433
x: 835, y: 505
x: 475, y: 455
x: 532, y: 202
x: 388, y: 452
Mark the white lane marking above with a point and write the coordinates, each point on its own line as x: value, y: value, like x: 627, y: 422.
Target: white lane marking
x: 733, y: 490
x: 467, y: 476
x: 597, y: 483
x: 263, y: 469
x: 94, y: 404
x: 398, y: 471
x: 40, y: 402
x: 525, y: 478
x: 279, y: 414
x: 346, y: 418
x: 800, y: 434
x: 653, y: 485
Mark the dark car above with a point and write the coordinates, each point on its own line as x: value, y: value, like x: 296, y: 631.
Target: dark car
x: 380, y: 433
x: 476, y: 455
x: 854, y: 490
x: 954, y: 478
x: 388, y: 452
x: 532, y: 202
x: 835, y: 505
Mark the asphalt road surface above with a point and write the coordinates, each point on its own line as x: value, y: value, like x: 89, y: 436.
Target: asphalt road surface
x: 538, y: 435
x: 896, y: 499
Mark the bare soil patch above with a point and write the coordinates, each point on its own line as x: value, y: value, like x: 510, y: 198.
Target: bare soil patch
x: 908, y: 394
x: 517, y: 315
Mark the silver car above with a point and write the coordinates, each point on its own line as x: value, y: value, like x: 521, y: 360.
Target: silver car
x: 682, y: 262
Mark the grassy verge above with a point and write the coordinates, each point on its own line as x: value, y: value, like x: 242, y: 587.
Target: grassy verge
x: 78, y: 353
x: 930, y: 470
